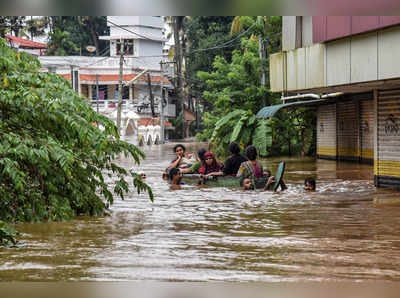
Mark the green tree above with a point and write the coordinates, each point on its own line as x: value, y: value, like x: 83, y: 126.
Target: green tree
x: 53, y: 159
x: 36, y: 26
x: 236, y: 91
x: 60, y: 43
x: 205, y: 32
x: 81, y: 32
x: 13, y: 25
x: 233, y: 88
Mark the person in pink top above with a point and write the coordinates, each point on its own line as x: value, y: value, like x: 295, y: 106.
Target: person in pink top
x: 251, y: 168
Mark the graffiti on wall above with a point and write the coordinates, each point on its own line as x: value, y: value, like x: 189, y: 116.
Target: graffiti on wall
x: 392, y: 126
x: 365, y: 127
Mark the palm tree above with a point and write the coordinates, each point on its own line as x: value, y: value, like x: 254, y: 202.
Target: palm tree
x: 36, y: 26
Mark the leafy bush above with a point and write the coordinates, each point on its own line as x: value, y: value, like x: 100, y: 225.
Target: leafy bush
x: 233, y: 88
x: 7, y: 234
x: 53, y: 156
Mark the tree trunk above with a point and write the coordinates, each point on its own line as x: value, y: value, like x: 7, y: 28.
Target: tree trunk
x: 177, y: 62
x: 93, y: 35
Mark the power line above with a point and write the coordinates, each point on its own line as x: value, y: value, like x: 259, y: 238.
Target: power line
x: 101, y: 60
x: 223, y: 45
x: 213, y: 48
x: 130, y: 31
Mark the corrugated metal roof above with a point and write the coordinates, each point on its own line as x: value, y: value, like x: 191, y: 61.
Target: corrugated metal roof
x: 270, y: 111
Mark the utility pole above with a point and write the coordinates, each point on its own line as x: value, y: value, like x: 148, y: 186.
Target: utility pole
x: 153, y: 114
x: 97, y: 91
x: 161, y: 108
x: 262, y: 53
x: 121, y: 67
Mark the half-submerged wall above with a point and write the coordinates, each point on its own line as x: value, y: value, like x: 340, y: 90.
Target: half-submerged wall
x: 326, y: 132
x: 387, y: 139
x: 345, y: 129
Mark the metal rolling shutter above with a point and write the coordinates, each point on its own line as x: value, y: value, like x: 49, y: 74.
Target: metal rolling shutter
x: 326, y: 131
x: 348, y: 129
x: 387, y: 165
x: 367, y: 130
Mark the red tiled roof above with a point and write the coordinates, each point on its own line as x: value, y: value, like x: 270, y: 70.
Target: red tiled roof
x: 108, y: 78
x: 152, y: 121
x: 25, y: 43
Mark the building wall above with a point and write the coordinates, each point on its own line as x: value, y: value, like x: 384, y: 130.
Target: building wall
x: 326, y: 132
x: 307, y: 31
x: 387, y: 139
x: 367, y: 130
x: 348, y: 131
x: 357, y: 59
x: 147, y: 21
x: 345, y: 129
x: 149, y: 48
x: 291, y: 32
x: 334, y: 27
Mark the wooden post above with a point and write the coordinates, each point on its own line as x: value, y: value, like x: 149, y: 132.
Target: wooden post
x: 153, y: 114
x: 121, y: 67
x: 161, y: 107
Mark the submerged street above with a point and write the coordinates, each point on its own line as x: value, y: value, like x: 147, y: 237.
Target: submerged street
x: 347, y: 230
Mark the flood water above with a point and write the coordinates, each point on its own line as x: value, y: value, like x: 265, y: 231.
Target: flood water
x: 346, y: 230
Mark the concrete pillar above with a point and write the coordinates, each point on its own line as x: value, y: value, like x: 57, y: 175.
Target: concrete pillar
x: 90, y: 92
x: 131, y: 92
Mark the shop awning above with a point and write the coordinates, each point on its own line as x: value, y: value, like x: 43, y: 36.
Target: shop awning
x: 270, y: 111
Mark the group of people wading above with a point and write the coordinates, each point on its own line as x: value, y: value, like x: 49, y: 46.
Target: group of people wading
x: 246, y: 167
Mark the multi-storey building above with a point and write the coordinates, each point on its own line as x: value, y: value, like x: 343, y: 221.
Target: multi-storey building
x: 97, y: 78
x: 349, y: 66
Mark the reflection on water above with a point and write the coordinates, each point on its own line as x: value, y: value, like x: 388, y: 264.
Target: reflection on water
x: 338, y: 232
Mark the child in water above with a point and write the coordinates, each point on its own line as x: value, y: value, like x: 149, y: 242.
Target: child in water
x: 175, y: 178
x: 309, y: 184
x: 247, y: 183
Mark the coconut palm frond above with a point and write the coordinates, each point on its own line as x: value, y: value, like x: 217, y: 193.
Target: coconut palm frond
x: 171, y: 53
x: 236, y: 26
x: 254, y: 37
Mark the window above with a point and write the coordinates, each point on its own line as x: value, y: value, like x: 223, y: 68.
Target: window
x: 128, y: 47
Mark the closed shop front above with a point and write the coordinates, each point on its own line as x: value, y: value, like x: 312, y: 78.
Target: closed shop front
x: 367, y: 131
x: 348, y: 131
x: 326, y: 132
x: 387, y: 155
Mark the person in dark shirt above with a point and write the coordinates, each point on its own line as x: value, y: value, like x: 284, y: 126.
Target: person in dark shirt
x: 233, y: 163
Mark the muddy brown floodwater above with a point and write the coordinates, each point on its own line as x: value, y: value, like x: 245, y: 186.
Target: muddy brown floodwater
x: 346, y: 230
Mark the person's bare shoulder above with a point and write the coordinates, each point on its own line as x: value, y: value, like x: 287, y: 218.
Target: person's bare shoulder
x: 175, y: 187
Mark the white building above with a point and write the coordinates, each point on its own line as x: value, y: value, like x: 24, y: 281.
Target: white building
x: 142, y: 37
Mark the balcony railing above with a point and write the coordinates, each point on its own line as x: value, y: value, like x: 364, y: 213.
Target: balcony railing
x: 142, y: 108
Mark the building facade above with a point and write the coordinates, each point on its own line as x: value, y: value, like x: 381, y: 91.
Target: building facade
x: 25, y: 45
x: 97, y: 78
x: 353, y: 62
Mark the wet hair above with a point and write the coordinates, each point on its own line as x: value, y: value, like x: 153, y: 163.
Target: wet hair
x: 234, y: 148
x: 251, y: 152
x: 241, y: 182
x: 267, y: 172
x: 179, y: 145
x: 173, y: 172
x: 201, y: 152
x: 310, y: 181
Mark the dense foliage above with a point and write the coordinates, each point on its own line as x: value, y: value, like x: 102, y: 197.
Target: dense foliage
x: 233, y: 89
x: 53, y: 158
x: 204, y: 32
x: 68, y: 35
